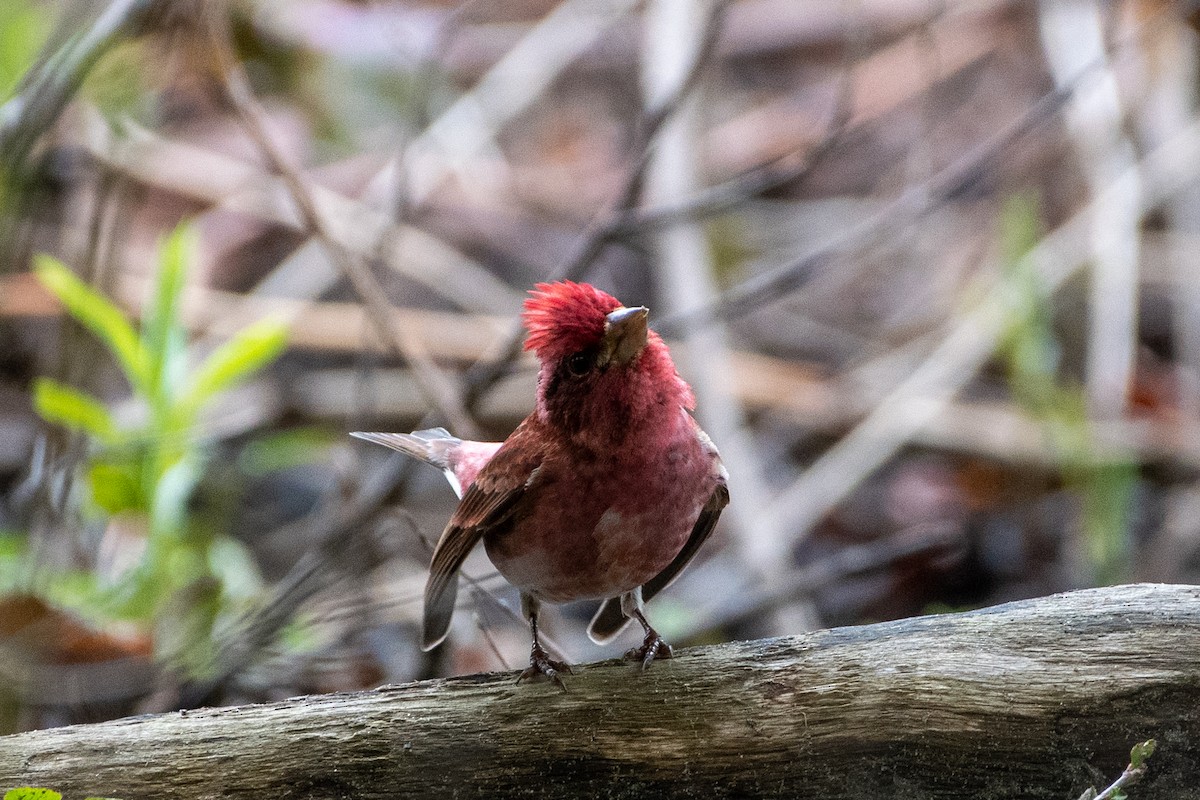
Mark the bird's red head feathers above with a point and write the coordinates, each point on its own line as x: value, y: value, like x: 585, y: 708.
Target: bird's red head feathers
x: 565, y: 317
x: 602, y: 406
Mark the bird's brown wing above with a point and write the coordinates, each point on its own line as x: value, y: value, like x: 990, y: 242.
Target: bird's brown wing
x: 487, y: 504
x: 609, y: 620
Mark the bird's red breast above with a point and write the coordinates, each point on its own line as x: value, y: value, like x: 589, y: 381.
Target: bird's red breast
x: 594, y: 524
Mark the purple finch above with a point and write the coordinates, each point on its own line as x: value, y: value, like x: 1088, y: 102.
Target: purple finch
x: 606, y: 491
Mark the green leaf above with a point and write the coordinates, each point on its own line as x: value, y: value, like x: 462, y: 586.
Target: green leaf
x: 14, y: 571
x: 168, y: 506
x: 57, y: 402
x: 116, y: 85
x: 1020, y: 227
x: 81, y: 592
x: 162, y: 333
x: 251, y: 349
x: 12, y: 545
x: 300, y: 636
x: 183, y: 636
x: 23, y: 28
x: 101, y: 317
x: 115, y: 487
x: 1141, y: 752
x: 137, y: 595
x: 283, y: 450
x: 30, y: 793
x: 233, y: 564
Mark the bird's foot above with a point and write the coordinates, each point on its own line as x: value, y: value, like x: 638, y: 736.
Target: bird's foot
x: 541, y: 664
x: 652, y: 648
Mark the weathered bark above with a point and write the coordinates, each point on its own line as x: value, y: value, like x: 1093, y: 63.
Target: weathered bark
x: 1040, y: 698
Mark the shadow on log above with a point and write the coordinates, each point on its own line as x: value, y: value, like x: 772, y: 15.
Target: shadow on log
x: 1040, y: 698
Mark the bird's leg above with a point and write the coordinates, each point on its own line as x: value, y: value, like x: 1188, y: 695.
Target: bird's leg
x: 653, y: 645
x: 540, y: 662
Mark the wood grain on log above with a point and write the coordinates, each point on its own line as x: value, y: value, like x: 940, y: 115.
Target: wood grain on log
x: 1039, y: 698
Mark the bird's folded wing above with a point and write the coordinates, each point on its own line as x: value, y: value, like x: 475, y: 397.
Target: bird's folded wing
x: 609, y: 620
x: 487, y: 504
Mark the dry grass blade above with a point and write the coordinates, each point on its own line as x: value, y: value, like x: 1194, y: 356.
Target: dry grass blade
x: 609, y: 222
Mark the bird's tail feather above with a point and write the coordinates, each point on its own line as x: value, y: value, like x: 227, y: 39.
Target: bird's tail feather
x: 609, y: 621
x: 431, y: 446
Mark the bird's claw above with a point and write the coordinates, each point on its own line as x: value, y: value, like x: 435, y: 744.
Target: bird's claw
x: 652, y: 648
x: 541, y: 664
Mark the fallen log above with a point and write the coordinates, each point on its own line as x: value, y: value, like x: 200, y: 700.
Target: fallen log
x: 1034, y: 699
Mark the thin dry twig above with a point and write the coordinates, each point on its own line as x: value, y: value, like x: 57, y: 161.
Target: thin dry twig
x: 913, y: 205
x: 471, y: 123
x: 752, y: 601
x: 439, y: 388
x: 921, y: 396
x: 487, y: 635
x: 607, y: 224
x: 235, y: 185
x: 478, y: 591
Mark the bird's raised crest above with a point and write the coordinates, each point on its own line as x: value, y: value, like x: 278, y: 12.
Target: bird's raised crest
x: 566, y: 317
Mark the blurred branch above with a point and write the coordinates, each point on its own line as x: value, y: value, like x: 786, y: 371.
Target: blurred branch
x: 1073, y: 41
x: 757, y: 29
x: 910, y: 208
x: 683, y: 270
x: 1172, y: 60
x: 212, y: 177
x: 754, y: 602
x: 723, y: 197
x: 334, y: 327
x: 508, y: 88
x: 439, y: 388
x: 606, y: 225
x: 919, y: 399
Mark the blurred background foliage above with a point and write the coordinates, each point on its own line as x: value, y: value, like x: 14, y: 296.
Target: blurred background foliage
x: 928, y: 265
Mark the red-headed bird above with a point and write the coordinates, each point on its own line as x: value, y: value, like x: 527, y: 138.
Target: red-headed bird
x: 606, y: 491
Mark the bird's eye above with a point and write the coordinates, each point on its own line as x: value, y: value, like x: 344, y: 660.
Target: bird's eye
x: 580, y: 363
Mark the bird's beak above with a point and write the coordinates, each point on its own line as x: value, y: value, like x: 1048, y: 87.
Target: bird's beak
x: 624, y: 335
